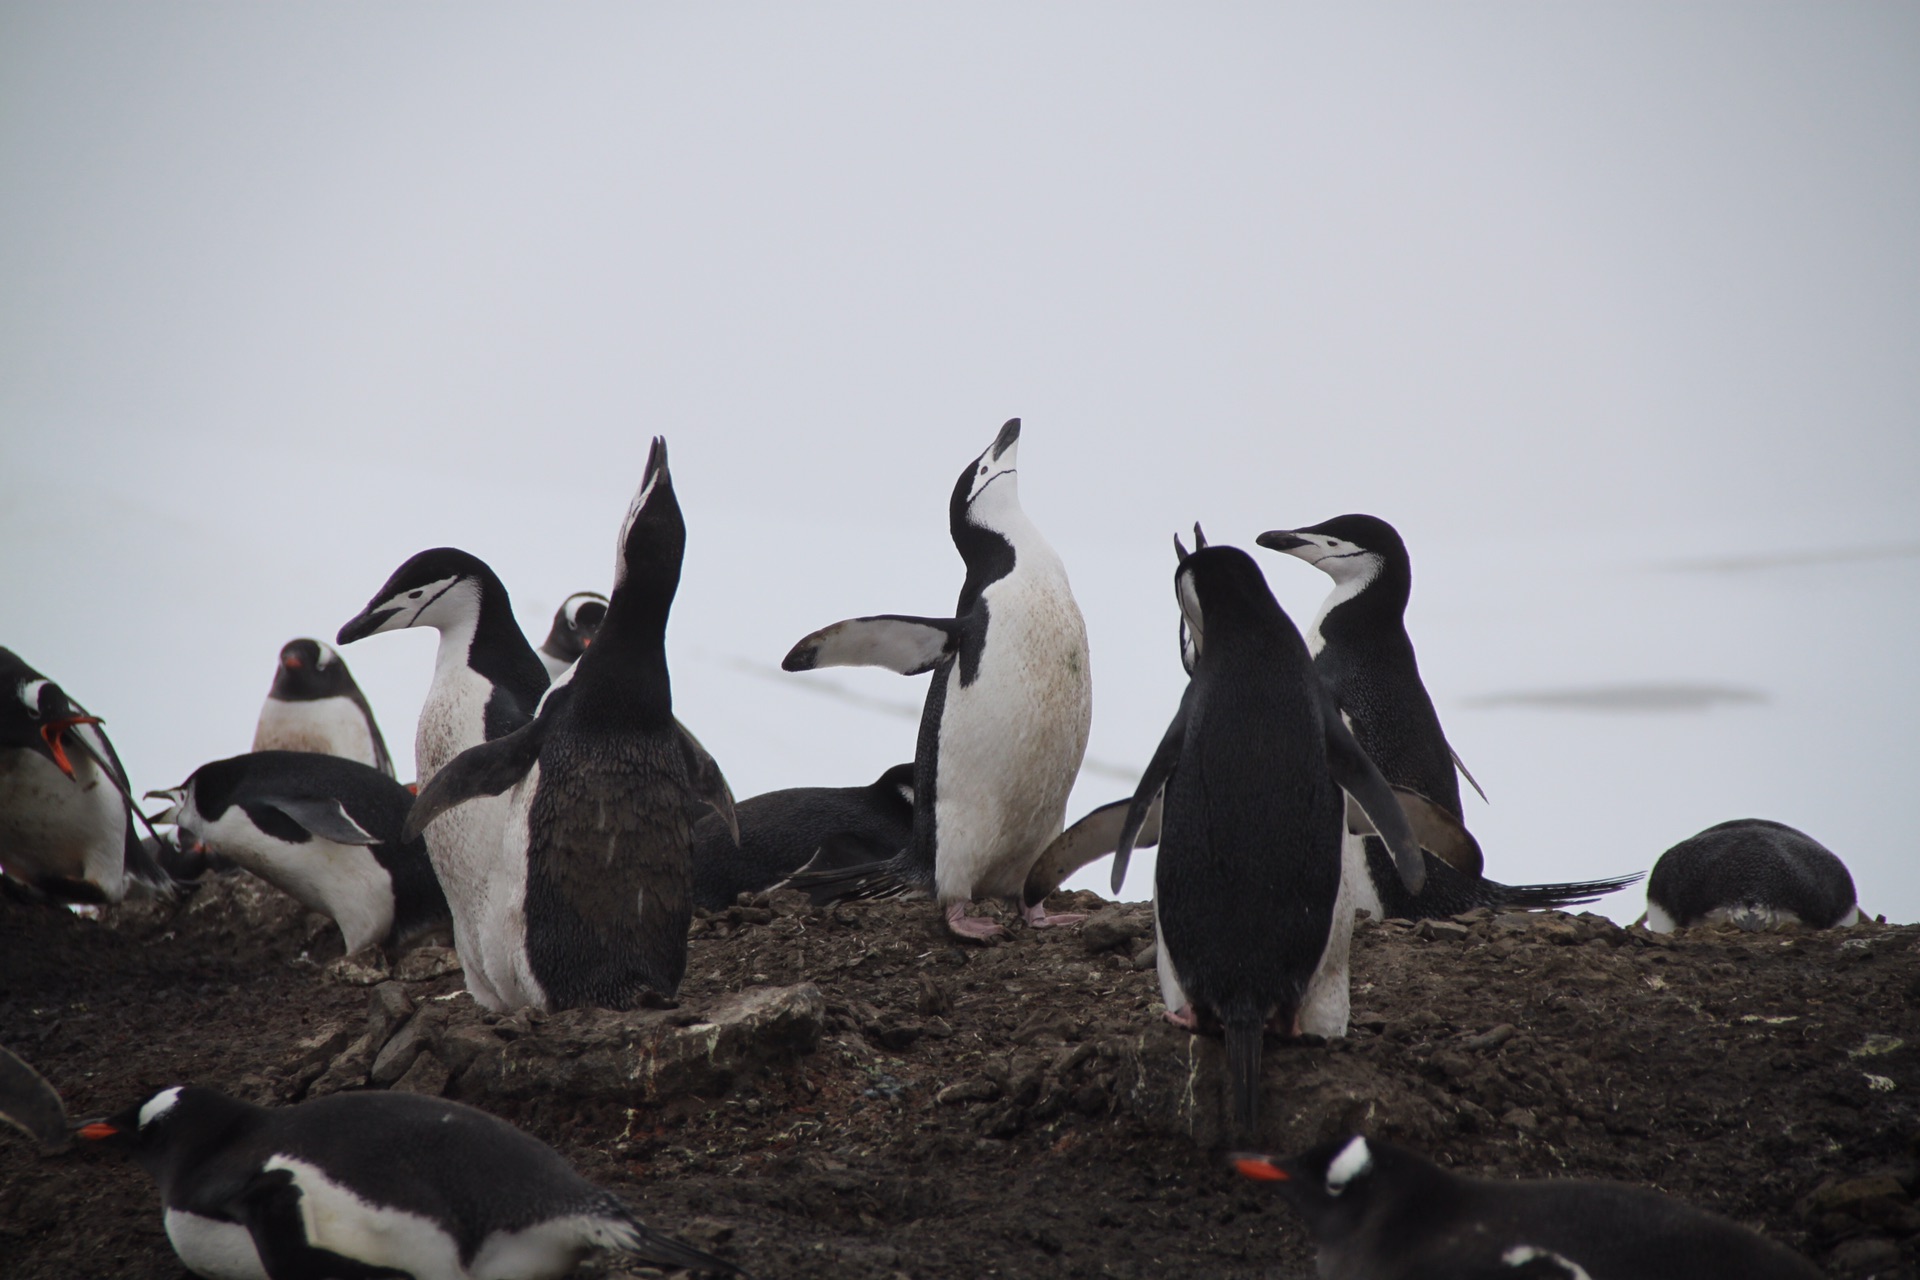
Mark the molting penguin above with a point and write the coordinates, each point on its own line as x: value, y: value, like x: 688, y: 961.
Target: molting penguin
x: 1005, y: 723
x: 66, y: 813
x: 574, y: 625
x: 1361, y: 648
x: 591, y: 882
x: 314, y: 705
x: 780, y: 830
x: 1251, y: 906
x: 1752, y: 873
x: 1381, y: 1212
x: 322, y: 828
x: 364, y: 1184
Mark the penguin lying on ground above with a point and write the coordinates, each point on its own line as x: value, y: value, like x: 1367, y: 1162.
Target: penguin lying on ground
x: 486, y: 683
x: 1380, y: 1212
x: 1005, y: 723
x: 322, y: 828
x: 366, y: 1184
x: 1360, y: 646
x: 1252, y: 905
x: 590, y: 873
x: 780, y: 830
x: 1752, y: 873
x: 67, y: 816
x: 574, y: 625
x: 314, y: 705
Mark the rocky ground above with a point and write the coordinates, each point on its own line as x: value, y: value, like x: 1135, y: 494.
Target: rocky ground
x: 847, y: 1093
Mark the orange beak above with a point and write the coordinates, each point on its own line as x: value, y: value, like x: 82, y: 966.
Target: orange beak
x: 1260, y: 1169
x: 97, y: 1130
x: 51, y: 732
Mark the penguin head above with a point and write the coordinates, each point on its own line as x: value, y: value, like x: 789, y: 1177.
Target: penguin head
x: 987, y: 495
x: 1220, y: 587
x: 438, y: 588
x: 310, y: 669
x: 574, y: 624
x: 653, y: 537
x: 1348, y: 549
x: 168, y: 1120
x: 897, y: 782
x: 1333, y: 1185
x: 35, y: 713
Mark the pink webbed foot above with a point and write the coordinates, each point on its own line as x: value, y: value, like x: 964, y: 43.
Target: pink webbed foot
x: 1184, y: 1018
x: 973, y: 928
x: 1036, y: 916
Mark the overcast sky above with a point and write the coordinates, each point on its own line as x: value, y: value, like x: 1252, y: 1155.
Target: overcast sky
x: 1613, y: 309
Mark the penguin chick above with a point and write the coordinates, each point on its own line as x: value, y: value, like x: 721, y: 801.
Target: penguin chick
x: 314, y: 705
x: 366, y: 1184
x: 780, y: 830
x: 1381, y: 1212
x: 574, y: 625
x: 321, y: 828
x: 1753, y: 873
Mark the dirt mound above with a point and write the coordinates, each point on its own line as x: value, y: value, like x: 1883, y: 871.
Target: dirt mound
x: 848, y: 1093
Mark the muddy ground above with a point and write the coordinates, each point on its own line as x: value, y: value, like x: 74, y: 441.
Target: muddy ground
x: 932, y: 1110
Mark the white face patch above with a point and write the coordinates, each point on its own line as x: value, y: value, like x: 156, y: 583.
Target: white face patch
x: 158, y: 1105
x: 1354, y: 1159
x: 1521, y: 1254
x: 328, y: 655
x: 570, y: 608
x: 1190, y: 639
x: 634, y: 509
x: 29, y: 693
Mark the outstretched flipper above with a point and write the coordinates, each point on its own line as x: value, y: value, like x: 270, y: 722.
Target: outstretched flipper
x: 1146, y: 796
x: 1088, y: 840
x: 908, y: 645
x: 703, y: 771
x: 30, y: 1104
x: 1361, y: 779
x: 485, y: 770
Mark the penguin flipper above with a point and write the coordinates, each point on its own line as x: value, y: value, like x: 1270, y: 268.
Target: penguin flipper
x: 897, y: 642
x: 1461, y: 765
x: 1088, y: 840
x: 484, y: 770
x: 703, y: 771
x: 1436, y: 830
x: 1146, y: 796
x: 324, y: 817
x: 1356, y: 774
x: 30, y: 1104
x: 268, y: 1206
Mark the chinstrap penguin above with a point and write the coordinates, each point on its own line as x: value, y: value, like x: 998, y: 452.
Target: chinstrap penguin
x: 1252, y: 906
x: 1007, y: 714
x: 322, y: 828
x: 67, y: 817
x: 1752, y: 873
x: 591, y: 879
x: 366, y: 1184
x: 1381, y: 1212
x: 780, y: 830
x: 314, y: 705
x: 574, y: 624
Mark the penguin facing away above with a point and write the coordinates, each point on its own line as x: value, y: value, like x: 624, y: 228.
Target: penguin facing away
x: 1752, y: 873
x: 322, y: 828
x: 66, y: 813
x: 315, y: 705
x: 780, y: 830
x: 366, y: 1184
x: 1006, y: 717
x: 590, y: 873
x: 574, y: 624
x: 1382, y: 1212
x: 1251, y: 907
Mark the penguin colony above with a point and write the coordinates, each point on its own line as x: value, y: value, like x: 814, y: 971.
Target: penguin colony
x: 566, y: 825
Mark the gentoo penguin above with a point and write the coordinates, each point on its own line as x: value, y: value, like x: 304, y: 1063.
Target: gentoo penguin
x: 1251, y: 906
x: 366, y: 1184
x: 1752, y: 873
x: 590, y: 879
x: 780, y: 830
x: 66, y: 816
x: 314, y: 705
x: 1361, y: 648
x: 574, y: 625
x: 322, y: 828
x: 1381, y: 1212
x: 1006, y: 718
x: 486, y: 683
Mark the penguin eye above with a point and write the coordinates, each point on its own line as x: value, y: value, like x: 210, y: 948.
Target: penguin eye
x: 983, y: 468
x: 413, y: 595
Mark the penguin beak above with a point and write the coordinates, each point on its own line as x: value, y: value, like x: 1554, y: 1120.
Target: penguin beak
x: 52, y: 732
x: 1009, y: 436
x: 1260, y: 1169
x: 291, y: 662
x: 173, y: 799
x: 1282, y: 540
x: 96, y: 1131
x: 365, y: 625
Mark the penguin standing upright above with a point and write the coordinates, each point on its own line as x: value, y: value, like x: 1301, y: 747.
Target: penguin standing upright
x: 371, y: 1184
x: 487, y: 682
x: 314, y: 705
x: 66, y: 812
x: 1752, y: 873
x: 574, y: 624
x: 1360, y: 646
x: 1005, y: 723
x: 1381, y: 1212
x: 1251, y: 906
x: 780, y: 830
x: 592, y: 882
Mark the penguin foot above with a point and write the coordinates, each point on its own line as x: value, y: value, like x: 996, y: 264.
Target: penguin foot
x: 1036, y: 917
x: 977, y: 928
x: 1184, y: 1018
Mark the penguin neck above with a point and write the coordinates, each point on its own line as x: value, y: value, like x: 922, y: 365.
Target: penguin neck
x: 997, y: 550
x: 216, y: 1121
x: 482, y: 624
x: 626, y: 667
x: 1364, y: 605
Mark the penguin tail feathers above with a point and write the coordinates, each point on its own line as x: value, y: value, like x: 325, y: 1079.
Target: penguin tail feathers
x: 1243, y: 1069
x: 844, y: 867
x: 655, y: 1249
x: 1555, y: 897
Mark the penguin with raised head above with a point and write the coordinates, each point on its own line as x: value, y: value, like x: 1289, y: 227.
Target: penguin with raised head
x: 315, y: 705
x: 591, y: 878
x: 781, y: 830
x: 1752, y: 873
x: 1381, y: 1212
x: 1006, y: 718
x: 322, y: 828
x: 371, y: 1184
x: 574, y: 624
x: 487, y: 681
x: 1252, y: 906
x: 67, y: 815
x: 1361, y: 648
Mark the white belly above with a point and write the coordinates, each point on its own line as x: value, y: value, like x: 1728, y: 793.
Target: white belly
x: 501, y: 924
x: 342, y: 881
x: 452, y: 719
x: 325, y: 726
x: 212, y: 1248
x: 53, y: 825
x: 1326, y: 1007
